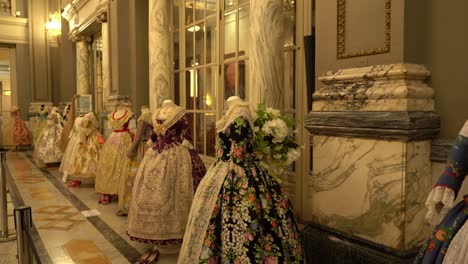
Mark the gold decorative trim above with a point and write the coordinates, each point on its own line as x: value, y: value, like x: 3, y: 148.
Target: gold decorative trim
x: 341, y: 51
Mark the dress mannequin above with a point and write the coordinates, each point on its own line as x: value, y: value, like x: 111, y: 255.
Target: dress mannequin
x: 68, y: 127
x: 68, y: 165
x: 447, y: 243
x: 21, y: 134
x: 136, y: 152
x: 165, y: 183
x: 239, y: 210
x: 47, y: 148
x: 112, y: 169
x: 40, y: 122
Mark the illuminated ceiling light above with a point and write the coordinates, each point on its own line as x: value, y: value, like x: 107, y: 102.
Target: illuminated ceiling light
x: 54, y: 25
x: 231, y: 3
x: 194, y: 28
x: 8, y: 92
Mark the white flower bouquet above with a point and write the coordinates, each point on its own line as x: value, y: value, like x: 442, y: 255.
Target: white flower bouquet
x: 274, y: 141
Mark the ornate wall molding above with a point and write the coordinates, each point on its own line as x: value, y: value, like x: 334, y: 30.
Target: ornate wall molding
x: 14, y: 30
x: 341, y: 36
x: 81, y: 14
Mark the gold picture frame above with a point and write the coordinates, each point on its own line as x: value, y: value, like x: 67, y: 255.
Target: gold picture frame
x: 341, y: 21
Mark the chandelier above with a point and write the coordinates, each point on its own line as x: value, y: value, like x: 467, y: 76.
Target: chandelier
x: 54, y: 25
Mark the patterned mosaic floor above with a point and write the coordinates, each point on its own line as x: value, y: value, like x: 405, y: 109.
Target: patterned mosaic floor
x: 63, y: 233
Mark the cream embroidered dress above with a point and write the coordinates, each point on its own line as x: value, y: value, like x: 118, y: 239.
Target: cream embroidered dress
x: 240, y: 214
x: 112, y: 169
x: 89, y: 148
x: 165, y: 183
x: 68, y: 164
x: 47, y: 148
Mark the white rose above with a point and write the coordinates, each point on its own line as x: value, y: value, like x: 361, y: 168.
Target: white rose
x: 293, y: 155
x: 273, y: 112
x: 276, y: 128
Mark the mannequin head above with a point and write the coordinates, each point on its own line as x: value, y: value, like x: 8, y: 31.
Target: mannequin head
x: 233, y: 100
x: 464, y: 130
x: 167, y: 102
x: 15, y: 110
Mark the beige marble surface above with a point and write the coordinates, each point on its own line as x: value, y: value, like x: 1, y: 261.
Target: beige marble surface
x: 394, y: 87
x: 159, y: 57
x: 106, y: 70
x: 266, y: 53
x: 365, y: 188
x: 82, y: 65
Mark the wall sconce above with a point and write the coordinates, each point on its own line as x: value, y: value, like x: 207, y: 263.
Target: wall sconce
x: 54, y: 25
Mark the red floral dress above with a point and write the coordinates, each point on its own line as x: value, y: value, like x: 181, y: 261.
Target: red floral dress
x: 21, y: 134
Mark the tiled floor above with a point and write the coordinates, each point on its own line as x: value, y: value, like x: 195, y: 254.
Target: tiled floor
x: 65, y: 233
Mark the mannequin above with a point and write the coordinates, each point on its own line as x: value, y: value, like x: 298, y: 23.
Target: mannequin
x: 21, y: 134
x: 164, y: 184
x: 40, y: 122
x: 47, y: 148
x: 68, y: 165
x: 68, y: 127
x: 447, y: 242
x: 136, y: 153
x: 238, y: 204
x: 112, y: 168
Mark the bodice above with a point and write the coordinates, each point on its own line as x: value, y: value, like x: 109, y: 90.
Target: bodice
x: 236, y: 142
x: 173, y: 136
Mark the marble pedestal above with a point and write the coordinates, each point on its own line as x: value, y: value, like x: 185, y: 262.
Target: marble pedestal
x: 372, y: 129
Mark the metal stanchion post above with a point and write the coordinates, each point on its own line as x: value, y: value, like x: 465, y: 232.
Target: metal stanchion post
x: 23, y: 223
x: 4, y: 236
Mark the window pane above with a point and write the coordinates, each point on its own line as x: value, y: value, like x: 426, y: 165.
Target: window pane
x: 189, y: 48
x: 210, y: 86
x: 244, y: 25
x: 175, y: 45
x: 230, y: 35
x: 176, y: 78
x: 229, y: 3
x: 210, y: 121
x: 243, y: 79
x: 229, y: 80
x: 243, y: 1
x: 198, y: 91
x: 190, y: 85
x: 200, y: 134
x: 289, y: 80
x: 188, y: 12
x: 199, y: 56
x: 175, y: 14
x: 199, y: 10
x: 210, y: 40
x: 191, y: 126
x: 210, y: 7
x: 290, y: 25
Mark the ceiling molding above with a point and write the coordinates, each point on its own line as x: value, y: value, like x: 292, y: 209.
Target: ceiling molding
x: 14, y: 30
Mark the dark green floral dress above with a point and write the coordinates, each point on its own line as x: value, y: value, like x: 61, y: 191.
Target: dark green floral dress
x: 252, y: 220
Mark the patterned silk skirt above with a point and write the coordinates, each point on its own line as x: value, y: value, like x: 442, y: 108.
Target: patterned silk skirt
x: 240, y: 215
x: 112, y: 169
x: 162, y: 195
x: 68, y: 164
x: 21, y: 134
x: 439, y: 244
x: 47, y: 148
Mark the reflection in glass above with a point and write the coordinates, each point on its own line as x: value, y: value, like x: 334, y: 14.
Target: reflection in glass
x: 175, y: 49
x: 210, y: 7
x: 199, y: 134
x: 176, y: 87
x: 198, y: 90
x: 230, y: 35
x: 210, y: 126
x: 199, y: 10
x: 210, y: 29
x: 188, y: 12
x: 243, y: 79
x: 229, y: 3
x: 229, y: 80
x: 175, y: 14
x: 189, y: 48
x: 244, y: 26
x: 210, y: 86
x: 189, y: 89
x: 290, y: 25
x: 199, y: 56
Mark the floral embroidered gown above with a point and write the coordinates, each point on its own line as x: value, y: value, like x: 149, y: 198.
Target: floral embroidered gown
x: 240, y: 214
x: 68, y: 164
x: 89, y: 147
x: 449, y: 240
x: 112, y: 169
x: 21, y: 134
x: 165, y: 184
x: 47, y: 148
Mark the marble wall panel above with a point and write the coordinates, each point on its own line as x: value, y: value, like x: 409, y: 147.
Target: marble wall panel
x: 357, y: 187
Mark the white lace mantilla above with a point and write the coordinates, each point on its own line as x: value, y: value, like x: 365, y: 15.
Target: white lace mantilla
x: 201, y: 211
x: 240, y: 109
x: 439, y: 195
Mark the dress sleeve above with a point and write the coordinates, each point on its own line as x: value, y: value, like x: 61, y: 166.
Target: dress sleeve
x: 238, y: 133
x: 141, y: 128
x: 186, y: 134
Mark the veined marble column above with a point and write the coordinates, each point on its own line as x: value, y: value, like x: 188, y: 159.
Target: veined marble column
x: 265, y: 58
x: 82, y: 73
x: 106, y: 71
x: 159, y: 45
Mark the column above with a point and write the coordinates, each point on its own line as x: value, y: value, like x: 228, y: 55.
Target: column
x: 82, y: 65
x: 159, y: 45
x: 106, y: 71
x: 371, y: 125
x: 266, y: 57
